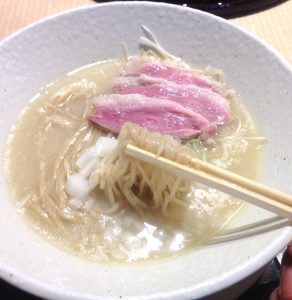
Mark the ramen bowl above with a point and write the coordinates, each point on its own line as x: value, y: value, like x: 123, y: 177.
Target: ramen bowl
x: 42, y: 52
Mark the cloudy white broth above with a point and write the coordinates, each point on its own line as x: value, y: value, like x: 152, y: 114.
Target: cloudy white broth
x: 62, y: 174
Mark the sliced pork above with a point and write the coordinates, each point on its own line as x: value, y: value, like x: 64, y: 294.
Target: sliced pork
x: 159, y: 69
x: 204, y: 101
x: 164, y: 116
x: 165, y: 98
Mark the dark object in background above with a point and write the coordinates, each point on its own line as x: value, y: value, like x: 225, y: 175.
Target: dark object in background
x: 225, y: 8
x: 265, y: 285
x: 231, y: 7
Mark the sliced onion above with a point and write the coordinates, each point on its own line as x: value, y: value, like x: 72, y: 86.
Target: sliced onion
x: 77, y: 186
x: 89, y: 167
x: 83, y: 160
x: 105, y: 145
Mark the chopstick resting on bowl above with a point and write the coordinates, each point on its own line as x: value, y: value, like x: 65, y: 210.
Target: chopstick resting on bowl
x: 233, y: 184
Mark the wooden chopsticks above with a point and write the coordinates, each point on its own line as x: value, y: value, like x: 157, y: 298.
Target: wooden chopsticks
x: 223, y: 180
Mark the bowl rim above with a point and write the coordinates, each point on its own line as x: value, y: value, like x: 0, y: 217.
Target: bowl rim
x: 44, y: 290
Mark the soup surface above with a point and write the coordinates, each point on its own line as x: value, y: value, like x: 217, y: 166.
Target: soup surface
x: 53, y: 131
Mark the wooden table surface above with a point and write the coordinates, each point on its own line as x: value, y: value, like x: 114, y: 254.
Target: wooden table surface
x: 273, y: 25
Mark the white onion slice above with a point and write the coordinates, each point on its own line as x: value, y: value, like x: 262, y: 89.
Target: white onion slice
x: 77, y: 186
x: 88, y: 154
x: 105, y: 145
x: 89, y: 167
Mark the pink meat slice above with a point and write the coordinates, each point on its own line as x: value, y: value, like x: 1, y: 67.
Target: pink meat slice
x: 164, y: 116
x: 204, y: 101
x: 157, y: 68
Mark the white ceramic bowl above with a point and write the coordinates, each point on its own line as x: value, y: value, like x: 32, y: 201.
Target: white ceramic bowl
x: 40, y: 53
